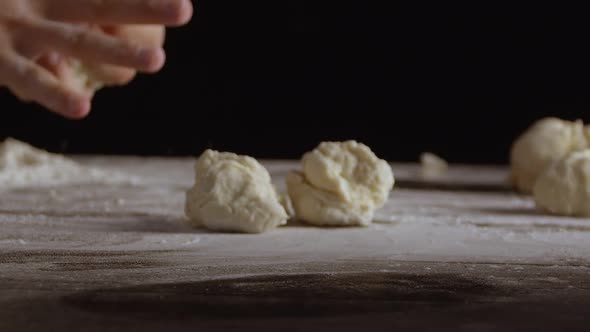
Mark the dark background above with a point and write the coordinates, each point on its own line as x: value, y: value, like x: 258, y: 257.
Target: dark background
x: 272, y: 79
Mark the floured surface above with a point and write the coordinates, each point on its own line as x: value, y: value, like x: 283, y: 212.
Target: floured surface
x: 416, y: 224
x: 23, y: 165
x: 119, y: 257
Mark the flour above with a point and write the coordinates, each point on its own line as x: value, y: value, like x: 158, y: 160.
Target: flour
x: 414, y: 225
x: 22, y: 165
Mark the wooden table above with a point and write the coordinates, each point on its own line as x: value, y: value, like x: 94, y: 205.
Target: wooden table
x: 456, y: 253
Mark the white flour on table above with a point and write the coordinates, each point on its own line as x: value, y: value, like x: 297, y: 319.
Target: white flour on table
x: 22, y: 165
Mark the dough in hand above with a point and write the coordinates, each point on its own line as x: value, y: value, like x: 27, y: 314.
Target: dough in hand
x: 546, y: 141
x: 91, y: 77
x: 342, y: 184
x: 83, y: 79
x: 233, y: 193
x: 564, y: 187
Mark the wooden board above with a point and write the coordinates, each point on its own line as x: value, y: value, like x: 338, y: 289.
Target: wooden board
x: 459, y: 252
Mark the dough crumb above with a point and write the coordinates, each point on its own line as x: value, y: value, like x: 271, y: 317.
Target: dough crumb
x: 433, y: 166
x: 233, y: 193
x: 341, y: 184
x: 287, y: 204
x: 82, y: 77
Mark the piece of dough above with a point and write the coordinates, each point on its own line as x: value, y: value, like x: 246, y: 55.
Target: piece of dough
x: 564, y: 187
x: 433, y: 166
x: 342, y: 184
x: 324, y: 208
x: 286, y: 203
x: 83, y: 78
x: 233, y: 193
x: 546, y: 141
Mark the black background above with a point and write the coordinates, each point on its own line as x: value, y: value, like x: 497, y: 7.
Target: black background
x: 273, y: 79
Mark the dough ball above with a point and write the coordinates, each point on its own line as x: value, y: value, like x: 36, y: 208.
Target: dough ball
x: 324, y: 208
x: 564, y: 187
x: 233, y: 193
x: 350, y: 170
x: 546, y: 141
x: 342, y: 184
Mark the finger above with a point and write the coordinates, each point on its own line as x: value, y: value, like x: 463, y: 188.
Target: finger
x: 111, y: 75
x: 30, y: 82
x: 91, y: 45
x: 54, y: 63
x: 71, y: 72
x: 167, y: 12
x: 147, y: 35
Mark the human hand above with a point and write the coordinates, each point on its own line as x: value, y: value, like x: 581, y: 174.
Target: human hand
x: 41, y: 39
x: 89, y: 77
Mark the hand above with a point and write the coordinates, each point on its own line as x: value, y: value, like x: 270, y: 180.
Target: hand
x: 147, y: 35
x: 88, y: 77
x: 113, y: 38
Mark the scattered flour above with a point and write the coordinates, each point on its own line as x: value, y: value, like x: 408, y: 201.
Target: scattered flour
x: 22, y: 165
x: 414, y: 225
